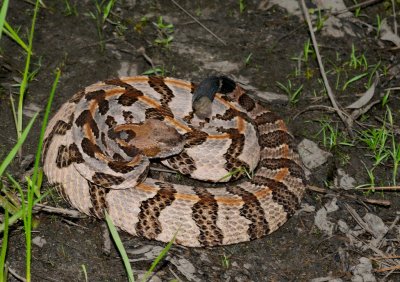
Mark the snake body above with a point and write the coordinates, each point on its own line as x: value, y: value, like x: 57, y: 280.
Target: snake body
x: 99, y: 144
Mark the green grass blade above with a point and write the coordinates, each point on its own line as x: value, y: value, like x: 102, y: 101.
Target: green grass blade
x: 120, y: 246
x: 10, y: 32
x: 20, y: 213
x: 3, y: 14
x: 37, y: 177
x: 33, y: 187
x: 4, y: 246
x: 107, y: 9
x: 159, y: 258
x: 24, y: 83
x: 84, y: 272
x: 6, y: 204
x: 4, y: 164
x: 353, y: 80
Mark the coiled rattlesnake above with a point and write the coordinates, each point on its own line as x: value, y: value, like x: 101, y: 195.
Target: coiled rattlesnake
x: 98, y: 145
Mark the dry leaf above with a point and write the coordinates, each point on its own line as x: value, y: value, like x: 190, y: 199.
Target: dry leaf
x: 366, y: 97
x: 388, y: 35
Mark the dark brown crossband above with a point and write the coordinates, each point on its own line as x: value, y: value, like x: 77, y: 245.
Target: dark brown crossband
x: 86, y: 118
x: 67, y: 155
x: 100, y: 97
x: 89, y: 148
x: 274, y: 164
x: 280, y: 193
x: 232, y: 153
x: 60, y: 128
x: 247, y: 102
x: 120, y: 166
x: 149, y: 225
x: 194, y: 138
x: 266, y: 117
x: 252, y: 211
x: 118, y: 82
x: 129, y: 97
x: 275, y: 139
x: 183, y: 163
x: 205, y: 214
x: 98, y: 199
x: 158, y: 84
x: 106, y: 180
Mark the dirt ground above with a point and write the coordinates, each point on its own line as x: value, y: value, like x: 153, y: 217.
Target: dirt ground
x: 261, y: 46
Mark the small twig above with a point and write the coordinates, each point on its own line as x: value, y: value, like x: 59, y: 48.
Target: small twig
x: 317, y: 189
x: 392, y: 88
x: 358, y: 112
x: 15, y: 274
x: 394, y: 18
x: 65, y: 212
x: 74, y: 224
x: 359, y: 5
x: 381, y: 188
x: 142, y: 52
x: 323, y: 73
x: 386, y: 257
x: 382, y: 254
x: 390, y: 268
x: 365, y: 200
x: 197, y: 21
x: 359, y: 220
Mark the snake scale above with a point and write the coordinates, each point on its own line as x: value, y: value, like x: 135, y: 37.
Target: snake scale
x: 99, y: 144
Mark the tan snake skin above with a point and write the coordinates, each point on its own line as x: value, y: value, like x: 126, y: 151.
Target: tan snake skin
x: 99, y: 144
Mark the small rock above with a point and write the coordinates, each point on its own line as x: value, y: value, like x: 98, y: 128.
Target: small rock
x: 39, y: 241
x: 362, y: 272
x: 221, y: 66
x: 128, y: 69
x: 343, y: 180
x: 152, y: 278
x: 311, y: 155
x: 343, y: 227
x: 31, y: 109
x: 376, y: 225
x: 321, y: 218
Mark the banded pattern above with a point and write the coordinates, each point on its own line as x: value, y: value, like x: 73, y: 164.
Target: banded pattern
x: 99, y: 144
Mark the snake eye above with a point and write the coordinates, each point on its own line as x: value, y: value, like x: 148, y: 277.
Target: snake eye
x: 127, y: 135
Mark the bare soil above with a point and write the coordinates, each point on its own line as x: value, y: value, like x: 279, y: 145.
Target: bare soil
x: 298, y: 251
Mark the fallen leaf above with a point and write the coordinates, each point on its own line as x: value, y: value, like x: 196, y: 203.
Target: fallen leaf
x: 366, y: 97
x: 387, y: 33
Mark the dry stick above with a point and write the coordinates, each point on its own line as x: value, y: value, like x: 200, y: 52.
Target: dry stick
x: 365, y: 200
x: 65, y: 212
x: 359, y: 220
x: 322, y: 71
x: 394, y: 18
x: 386, y: 257
x: 142, y: 52
x: 383, y: 254
x: 381, y: 188
x: 197, y: 21
x: 15, y: 274
x: 396, y: 267
x: 359, y: 5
